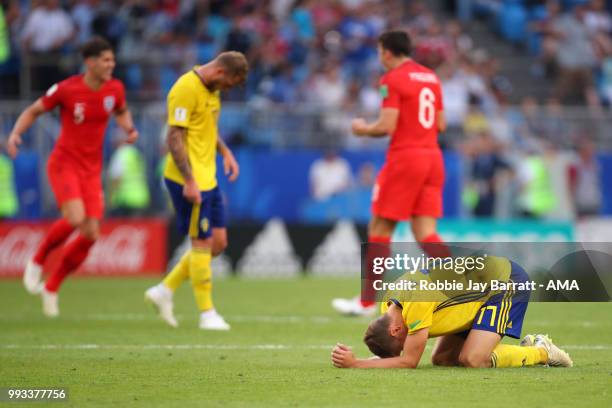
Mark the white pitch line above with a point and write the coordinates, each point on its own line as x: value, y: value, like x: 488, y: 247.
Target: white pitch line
x: 163, y: 347
x: 283, y: 319
x: 270, y: 319
x: 235, y: 318
x: 579, y: 323
x: 587, y: 347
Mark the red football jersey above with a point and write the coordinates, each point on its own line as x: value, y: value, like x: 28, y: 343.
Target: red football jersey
x: 84, y: 115
x: 415, y: 90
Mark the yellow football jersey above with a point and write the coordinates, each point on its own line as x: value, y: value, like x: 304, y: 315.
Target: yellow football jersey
x: 194, y: 107
x: 454, y: 314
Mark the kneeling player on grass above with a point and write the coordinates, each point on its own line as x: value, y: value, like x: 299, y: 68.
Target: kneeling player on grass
x: 469, y: 332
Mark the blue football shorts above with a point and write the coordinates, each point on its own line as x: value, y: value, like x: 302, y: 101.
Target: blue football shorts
x: 504, y: 313
x: 197, y: 220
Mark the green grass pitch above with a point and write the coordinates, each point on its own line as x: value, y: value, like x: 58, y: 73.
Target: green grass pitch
x: 109, y: 349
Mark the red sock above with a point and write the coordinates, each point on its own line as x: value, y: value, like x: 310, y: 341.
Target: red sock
x: 57, y: 234
x: 74, y: 253
x: 434, y: 246
x: 378, y: 247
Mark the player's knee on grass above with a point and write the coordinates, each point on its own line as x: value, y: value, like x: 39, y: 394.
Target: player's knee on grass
x: 444, y: 359
x: 471, y: 359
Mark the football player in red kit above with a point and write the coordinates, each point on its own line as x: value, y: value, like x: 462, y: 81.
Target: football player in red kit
x: 409, y: 185
x: 86, y: 103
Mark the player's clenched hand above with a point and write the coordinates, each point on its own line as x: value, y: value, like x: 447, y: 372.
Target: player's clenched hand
x: 132, y: 136
x: 342, y: 356
x: 230, y: 166
x: 191, y: 192
x: 359, y: 126
x: 12, y: 145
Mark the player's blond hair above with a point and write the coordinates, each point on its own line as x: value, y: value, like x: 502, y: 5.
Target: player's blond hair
x: 379, y: 340
x: 234, y: 63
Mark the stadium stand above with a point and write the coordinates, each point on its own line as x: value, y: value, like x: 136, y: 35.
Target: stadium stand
x: 313, y: 67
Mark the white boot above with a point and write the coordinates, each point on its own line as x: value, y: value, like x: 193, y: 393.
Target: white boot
x: 161, y: 298
x: 32, y: 276
x: 49, y: 303
x: 556, y: 356
x: 353, y: 307
x: 211, y: 320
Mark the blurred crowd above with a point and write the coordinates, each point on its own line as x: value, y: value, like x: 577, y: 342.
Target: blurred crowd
x: 575, y: 49
x: 300, y: 50
x: 322, y: 54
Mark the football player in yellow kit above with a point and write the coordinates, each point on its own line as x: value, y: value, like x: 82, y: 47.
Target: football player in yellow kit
x: 469, y: 328
x: 194, y: 104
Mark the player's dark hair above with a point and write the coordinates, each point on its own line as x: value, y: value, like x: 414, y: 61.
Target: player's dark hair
x: 94, y: 47
x: 379, y: 340
x: 234, y: 63
x: 397, y: 42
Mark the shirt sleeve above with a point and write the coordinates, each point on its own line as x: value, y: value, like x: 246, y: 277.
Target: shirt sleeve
x: 121, y: 102
x: 389, y: 93
x: 418, y: 315
x: 53, y: 97
x: 181, y: 103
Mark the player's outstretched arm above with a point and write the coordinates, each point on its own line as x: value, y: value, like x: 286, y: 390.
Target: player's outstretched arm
x: 24, y: 122
x: 176, y: 147
x: 384, y: 125
x: 125, y: 122
x: 230, y: 164
x: 343, y: 357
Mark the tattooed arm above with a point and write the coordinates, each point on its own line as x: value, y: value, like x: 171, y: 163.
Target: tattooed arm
x: 176, y: 147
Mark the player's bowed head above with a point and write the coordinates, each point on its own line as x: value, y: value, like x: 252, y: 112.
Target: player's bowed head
x: 227, y: 70
x: 385, y: 336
